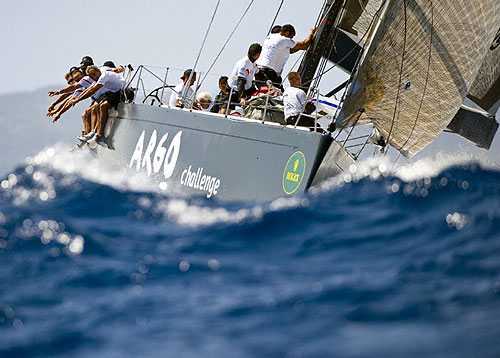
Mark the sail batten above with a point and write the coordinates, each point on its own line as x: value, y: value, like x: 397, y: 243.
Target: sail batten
x: 423, y: 60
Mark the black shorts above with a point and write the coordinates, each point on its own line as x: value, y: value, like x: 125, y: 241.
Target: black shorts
x: 304, y: 121
x: 249, y: 92
x: 265, y: 74
x: 113, y: 98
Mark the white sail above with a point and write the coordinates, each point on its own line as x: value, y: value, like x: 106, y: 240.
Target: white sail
x: 420, y: 66
x: 359, y: 15
x: 485, y: 90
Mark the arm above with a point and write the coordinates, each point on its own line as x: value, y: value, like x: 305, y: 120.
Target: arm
x: 57, y: 101
x: 119, y: 69
x: 303, y: 45
x: 86, y: 94
x: 63, y: 108
x: 241, y: 90
x: 68, y: 89
x: 58, y: 107
x: 241, y: 85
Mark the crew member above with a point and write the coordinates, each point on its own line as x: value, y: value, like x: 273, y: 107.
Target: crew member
x: 241, y: 79
x: 204, y: 100
x: 182, y: 94
x: 276, y: 50
x: 221, y: 100
x: 113, y: 83
x: 294, y: 101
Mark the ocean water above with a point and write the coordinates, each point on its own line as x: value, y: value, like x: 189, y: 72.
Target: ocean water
x: 385, y: 261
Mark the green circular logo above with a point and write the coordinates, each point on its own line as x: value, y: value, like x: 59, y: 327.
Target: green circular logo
x: 294, y: 172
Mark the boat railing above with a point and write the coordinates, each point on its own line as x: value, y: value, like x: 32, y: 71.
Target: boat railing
x: 151, y: 86
x: 157, y: 92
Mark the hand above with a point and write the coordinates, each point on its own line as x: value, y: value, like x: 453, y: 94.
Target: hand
x: 313, y: 31
x: 72, y: 102
x: 54, y: 120
x: 49, y: 111
x: 53, y: 93
x: 243, y: 101
x: 119, y: 69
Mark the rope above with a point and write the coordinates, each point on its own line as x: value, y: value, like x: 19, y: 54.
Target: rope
x: 319, y: 20
x: 426, y: 76
x: 351, y: 51
x: 275, y: 17
x: 227, y: 41
x: 358, y: 60
x: 206, y: 34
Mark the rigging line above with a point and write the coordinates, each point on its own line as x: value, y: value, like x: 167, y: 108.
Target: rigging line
x: 206, y: 35
x: 358, y: 61
x: 318, y: 22
x: 329, y: 47
x: 227, y: 41
x: 400, y: 73
x: 426, y: 76
x: 275, y: 17
x: 186, y: 87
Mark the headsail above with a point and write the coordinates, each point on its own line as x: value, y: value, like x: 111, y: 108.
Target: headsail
x: 422, y: 61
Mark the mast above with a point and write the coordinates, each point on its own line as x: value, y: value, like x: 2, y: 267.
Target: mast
x: 322, y: 40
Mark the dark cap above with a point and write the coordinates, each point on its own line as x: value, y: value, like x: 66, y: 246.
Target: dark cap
x: 288, y: 28
x: 187, y: 73
x: 73, y: 69
x: 87, y: 61
x: 276, y: 29
x: 109, y: 64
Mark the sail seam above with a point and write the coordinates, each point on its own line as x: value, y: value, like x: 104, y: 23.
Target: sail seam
x: 396, y: 106
x: 426, y: 77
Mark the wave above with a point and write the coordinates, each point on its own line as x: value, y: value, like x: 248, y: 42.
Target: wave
x: 56, y: 174
x: 399, y: 252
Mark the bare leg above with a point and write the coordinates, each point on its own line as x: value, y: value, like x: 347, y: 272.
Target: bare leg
x: 103, y: 117
x: 94, y: 116
x: 86, y: 121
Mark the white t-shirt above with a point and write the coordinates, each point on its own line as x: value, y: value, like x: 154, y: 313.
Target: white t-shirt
x: 293, y: 99
x: 86, y: 82
x: 243, y: 68
x: 112, y: 81
x: 184, y: 95
x: 275, y: 52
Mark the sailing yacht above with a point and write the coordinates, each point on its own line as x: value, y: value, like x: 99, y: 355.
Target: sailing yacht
x: 417, y: 68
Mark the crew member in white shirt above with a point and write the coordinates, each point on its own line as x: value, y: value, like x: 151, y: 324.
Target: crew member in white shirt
x: 294, y: 101
x: 205, y: 102
x: 182, y: 94
x: 276, y: 50
x: 241, y: 79
x: 113, y: 83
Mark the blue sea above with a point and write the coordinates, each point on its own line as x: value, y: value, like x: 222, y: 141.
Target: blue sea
x: 385, y: 261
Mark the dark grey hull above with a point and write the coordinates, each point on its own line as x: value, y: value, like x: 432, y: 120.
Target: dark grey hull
x: 196, y: 153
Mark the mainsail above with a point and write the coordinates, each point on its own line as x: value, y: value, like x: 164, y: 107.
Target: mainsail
x: 485, y: 90
x: 359, y: 15
x: 420, y: 65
